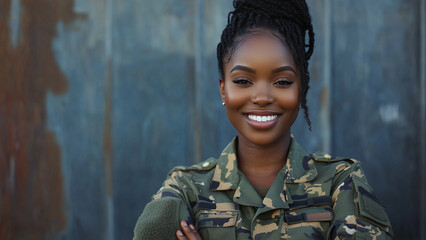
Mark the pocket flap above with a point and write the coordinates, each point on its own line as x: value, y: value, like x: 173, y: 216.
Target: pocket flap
x: 311, y: 214
x: 216, y: 218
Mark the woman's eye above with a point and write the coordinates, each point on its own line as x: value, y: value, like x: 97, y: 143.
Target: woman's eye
x: 283, y: 82
x: 241, y: 81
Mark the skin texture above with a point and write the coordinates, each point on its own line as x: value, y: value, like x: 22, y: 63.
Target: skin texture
x: 268, y: 82
x: 188, y: 232
x: 260, y: 78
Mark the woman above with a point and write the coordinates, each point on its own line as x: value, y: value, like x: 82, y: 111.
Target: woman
x: 264, y: 185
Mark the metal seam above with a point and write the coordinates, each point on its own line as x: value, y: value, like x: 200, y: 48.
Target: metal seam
x: 325, y: 117
x: 199, y: 76
x: 422, y: 149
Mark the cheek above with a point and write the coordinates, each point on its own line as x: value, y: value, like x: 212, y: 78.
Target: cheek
x: 289, y: 100
x: 236, y: 97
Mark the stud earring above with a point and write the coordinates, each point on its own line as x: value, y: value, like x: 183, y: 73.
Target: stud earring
x: 223, y: 103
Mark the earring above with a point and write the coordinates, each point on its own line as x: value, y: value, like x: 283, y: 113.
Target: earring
x: 223, y: 103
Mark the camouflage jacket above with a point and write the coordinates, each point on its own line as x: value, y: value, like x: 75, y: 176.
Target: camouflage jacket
x: 313, y: 197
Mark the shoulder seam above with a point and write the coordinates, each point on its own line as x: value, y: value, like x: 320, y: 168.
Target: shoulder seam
x: 205, y: 165
x: 321, y: 157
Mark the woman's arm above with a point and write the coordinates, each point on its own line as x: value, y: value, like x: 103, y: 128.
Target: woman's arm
x: 357, y: 212
x: 161, y: 217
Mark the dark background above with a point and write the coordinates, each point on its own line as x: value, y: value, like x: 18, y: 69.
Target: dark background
x: 100, y: 99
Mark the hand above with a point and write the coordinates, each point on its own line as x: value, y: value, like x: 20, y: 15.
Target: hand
x: 189, y: 232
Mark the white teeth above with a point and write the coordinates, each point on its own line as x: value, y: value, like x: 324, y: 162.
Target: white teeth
x: 262, y: 118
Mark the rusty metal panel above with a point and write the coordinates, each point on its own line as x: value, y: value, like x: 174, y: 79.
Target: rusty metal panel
x: 80, y: 119
x: 216, y: 130
x: 376, y: 100
x: 32, y: 181
x: 317, y: 99
x: 154, y: 100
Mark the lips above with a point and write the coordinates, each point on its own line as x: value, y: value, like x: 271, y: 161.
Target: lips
x: 261, y: 119
x: 258, y: 118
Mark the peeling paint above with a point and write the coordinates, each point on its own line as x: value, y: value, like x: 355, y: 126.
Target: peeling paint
x: 15, y: 12
x: 107, y: 134
x: 108, y: 153
x: 30, y: 169
x: 389, y: 113
x: 12, y: 175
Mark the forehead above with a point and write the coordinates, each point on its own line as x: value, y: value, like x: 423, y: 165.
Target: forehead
x: 261, y: 46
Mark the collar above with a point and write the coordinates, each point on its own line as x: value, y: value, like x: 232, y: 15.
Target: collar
x: 226, y: 175
x: 299, y: 167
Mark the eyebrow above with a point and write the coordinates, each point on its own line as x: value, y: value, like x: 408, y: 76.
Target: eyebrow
x: 243, y: 68
x: 250, y: 70
x: 283, y: 69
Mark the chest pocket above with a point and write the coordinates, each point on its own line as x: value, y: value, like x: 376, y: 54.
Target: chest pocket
x: 310, y: 214
x: 309, y: 218
x: 219, y: 223
x: 310, y: 210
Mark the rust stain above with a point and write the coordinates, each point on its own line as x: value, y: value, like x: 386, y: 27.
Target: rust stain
x: 31, y: 181
x: 324, y: 92
x: 107, y: 134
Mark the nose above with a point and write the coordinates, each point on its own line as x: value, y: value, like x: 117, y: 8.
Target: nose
x: 262, y: 95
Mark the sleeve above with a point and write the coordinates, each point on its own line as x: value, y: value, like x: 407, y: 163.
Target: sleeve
x: 358, y: 214
x: 160, y: 218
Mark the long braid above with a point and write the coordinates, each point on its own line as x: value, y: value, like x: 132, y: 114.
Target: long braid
x: 289, y: 18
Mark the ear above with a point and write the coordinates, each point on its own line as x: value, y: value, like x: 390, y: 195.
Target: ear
x: 222, y: 89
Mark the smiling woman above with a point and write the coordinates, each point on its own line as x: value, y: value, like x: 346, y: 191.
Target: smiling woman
x: 260, y: 81
x: 265, y: 185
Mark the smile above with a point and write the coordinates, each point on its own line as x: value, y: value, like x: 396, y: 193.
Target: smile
x: 262, y: 118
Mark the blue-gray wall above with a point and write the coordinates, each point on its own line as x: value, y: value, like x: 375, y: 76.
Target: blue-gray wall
x: 100, y: 99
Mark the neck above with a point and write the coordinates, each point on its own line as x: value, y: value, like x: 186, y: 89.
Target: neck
x: 261, y: 164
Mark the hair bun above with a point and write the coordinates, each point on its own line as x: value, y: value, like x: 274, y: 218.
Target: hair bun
x: 290, y: 10
x: 295, y: 11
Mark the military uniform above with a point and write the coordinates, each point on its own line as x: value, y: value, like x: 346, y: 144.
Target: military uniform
x: 313, y: 197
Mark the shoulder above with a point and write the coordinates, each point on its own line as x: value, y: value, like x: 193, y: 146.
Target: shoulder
x: 182, y: 180
x: 353, y: 198
x: 333, y: 165
x: 185, y: 175
x: 327, y: 158
x: 203, y: 166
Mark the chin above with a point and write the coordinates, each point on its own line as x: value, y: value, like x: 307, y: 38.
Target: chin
x: 264, y: 138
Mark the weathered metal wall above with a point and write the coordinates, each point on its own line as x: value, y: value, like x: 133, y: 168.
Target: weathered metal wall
x: 377, y: 87
x: 100, y: 99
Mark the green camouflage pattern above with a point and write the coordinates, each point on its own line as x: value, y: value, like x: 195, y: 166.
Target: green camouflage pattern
x: 313, y: 197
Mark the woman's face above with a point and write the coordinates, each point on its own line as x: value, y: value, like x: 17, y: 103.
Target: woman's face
x: 261, y: 89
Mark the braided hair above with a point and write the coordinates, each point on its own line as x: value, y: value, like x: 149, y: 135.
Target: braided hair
x: 290, y: 19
